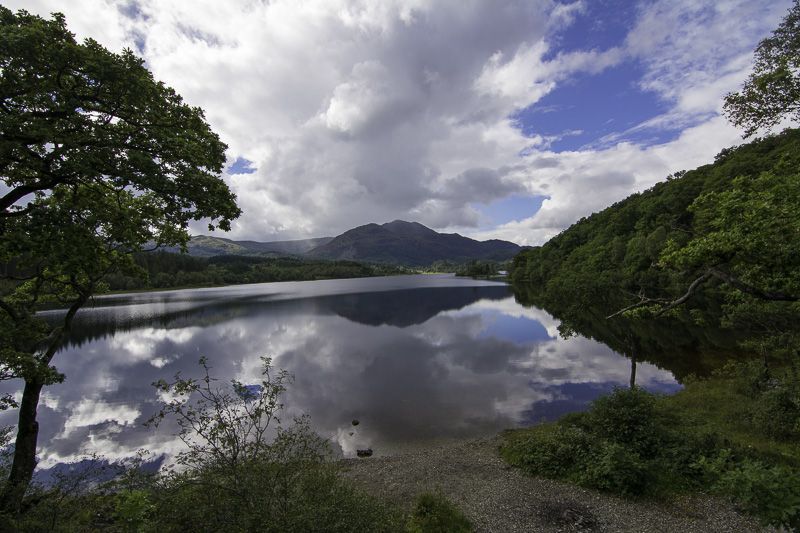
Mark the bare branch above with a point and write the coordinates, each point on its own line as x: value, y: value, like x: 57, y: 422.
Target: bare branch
x: 666, y: 304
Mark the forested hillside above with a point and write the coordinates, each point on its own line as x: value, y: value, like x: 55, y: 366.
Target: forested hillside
x: 730, y: 225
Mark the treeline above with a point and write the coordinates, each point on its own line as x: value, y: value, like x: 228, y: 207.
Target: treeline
x: 162, y: 270
x: 482, y: 269
x: 725, y: 216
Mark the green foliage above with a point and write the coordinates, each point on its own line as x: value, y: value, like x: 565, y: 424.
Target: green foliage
x: 613, y: 467
x: 550, y: 450
x: 772, y: 92
x: 708, y: 437
x: 168, y: 270
x: 600, y: 449
x: 98, y: 160
x: 772, y: 492
x: 433, y: 513
x: 132, y: 510
x: 480, y: 269
x: 777, y: 412
x: 241, y: 472
x: 658, y: 241
x: 628, y: 417
x: 226, y: 425
x: 245, y: 474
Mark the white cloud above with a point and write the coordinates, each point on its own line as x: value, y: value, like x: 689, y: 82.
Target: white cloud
x: 90, y: 412
x: 365, y: 110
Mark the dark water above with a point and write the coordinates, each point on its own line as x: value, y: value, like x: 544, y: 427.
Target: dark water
x: 412, y: 358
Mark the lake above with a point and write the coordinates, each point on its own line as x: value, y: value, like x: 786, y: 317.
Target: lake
x: 412, y: 358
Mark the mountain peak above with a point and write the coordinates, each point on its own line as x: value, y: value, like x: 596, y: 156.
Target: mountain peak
x: 402, y: 227
x: 410, y: 243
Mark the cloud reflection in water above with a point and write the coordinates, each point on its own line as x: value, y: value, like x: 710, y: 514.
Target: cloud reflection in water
x: 437, y: 357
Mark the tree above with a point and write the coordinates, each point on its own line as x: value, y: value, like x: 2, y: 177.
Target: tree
x: 98, y: 161
x: 772, y: 91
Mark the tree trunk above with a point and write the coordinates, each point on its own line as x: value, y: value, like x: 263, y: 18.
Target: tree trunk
x: 27, y: 427
x: 25, y: 448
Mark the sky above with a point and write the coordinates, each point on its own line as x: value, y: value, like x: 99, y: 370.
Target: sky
x: 507, y: 119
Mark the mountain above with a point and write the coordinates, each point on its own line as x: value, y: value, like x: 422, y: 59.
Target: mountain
x: 410, y: 244
x: 206, y: 246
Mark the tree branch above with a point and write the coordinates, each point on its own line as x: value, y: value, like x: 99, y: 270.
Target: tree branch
x: 774, y: 296
x: 666, y: 304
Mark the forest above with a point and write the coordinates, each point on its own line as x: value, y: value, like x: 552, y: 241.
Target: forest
x: 164, y: 270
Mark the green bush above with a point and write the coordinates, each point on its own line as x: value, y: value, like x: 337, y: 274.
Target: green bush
x: 568, y: 452
x: 269, y: 498
x: 613, y: 468
x: 633, y: 443
x: 770, y: 492
x: 777, y: 410
x: 628, y: 417
x: 234, y: 476
x: 433, y: 513
x: 550, y: 450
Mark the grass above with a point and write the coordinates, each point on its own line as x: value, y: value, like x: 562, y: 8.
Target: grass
x: 715, y: 406
x: 734, y: 434
x: 433, y: 513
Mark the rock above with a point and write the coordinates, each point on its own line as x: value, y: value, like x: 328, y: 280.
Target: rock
x: 355, y: 422
x: 364, y: 453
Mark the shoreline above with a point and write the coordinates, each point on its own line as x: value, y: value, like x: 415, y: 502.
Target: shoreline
x: 499, y: 498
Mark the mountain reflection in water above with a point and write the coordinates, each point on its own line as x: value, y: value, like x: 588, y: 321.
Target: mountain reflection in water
x: 411, y: 357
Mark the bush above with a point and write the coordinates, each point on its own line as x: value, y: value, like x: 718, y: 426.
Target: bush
x: 614, y: 468
x: 777, y: 410
x: 770, y: 492
x: 628, y: 417
x: 239, y: 474
x: 433, y: 513
x: 550, y: 450
x: 240, y: 480
x: 567, y: 452
x: 628, y: 444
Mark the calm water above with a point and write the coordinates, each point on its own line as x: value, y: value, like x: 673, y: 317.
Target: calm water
x: 411, y: 357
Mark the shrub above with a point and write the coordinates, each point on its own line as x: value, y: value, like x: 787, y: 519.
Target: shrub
x: 238, y: 479
x: 628, y: 444
x: 776, y: 411
x: 613, y: 468
x: 433, y: 513
x: 567, y: 452
x: 769, y: 492
x: 628, y: 417
x: 550, y: 450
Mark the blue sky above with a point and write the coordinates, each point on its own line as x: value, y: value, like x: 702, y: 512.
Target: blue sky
x: 492, y: 118
x: 583, y: 110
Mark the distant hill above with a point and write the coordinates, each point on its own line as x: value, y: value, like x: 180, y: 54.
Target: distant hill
x: 396, y: 243
x: 207, y: 246
x: 410, y: 244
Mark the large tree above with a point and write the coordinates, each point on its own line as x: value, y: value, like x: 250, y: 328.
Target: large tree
x: 98, y: 160
x: 772, y: 92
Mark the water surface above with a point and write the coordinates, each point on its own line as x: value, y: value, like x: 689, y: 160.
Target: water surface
x: 412, y: 358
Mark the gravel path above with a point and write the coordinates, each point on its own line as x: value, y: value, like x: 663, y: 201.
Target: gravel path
x: 499, y: 498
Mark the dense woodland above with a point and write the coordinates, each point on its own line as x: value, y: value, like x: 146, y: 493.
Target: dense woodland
x: 722, y: 237
x: 162, y: 270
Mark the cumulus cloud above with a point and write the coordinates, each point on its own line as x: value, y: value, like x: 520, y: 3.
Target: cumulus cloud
x: 359, y: 111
